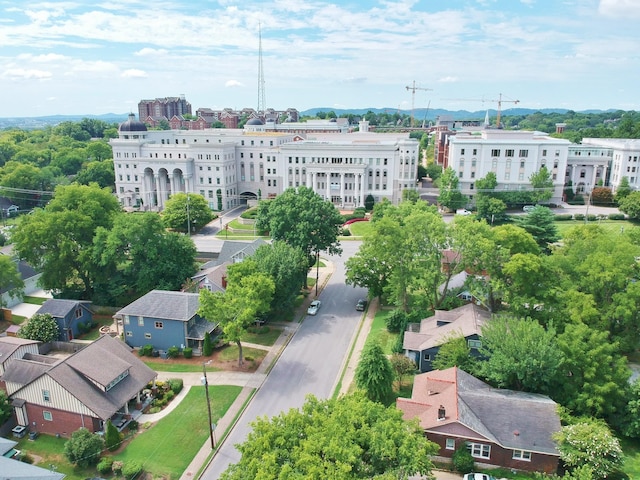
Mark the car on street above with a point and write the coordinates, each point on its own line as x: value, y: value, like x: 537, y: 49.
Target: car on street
x: 361, y: 305
x: 478, y: 476
x: 528, y: 208
x: 314, y: 307
x: 463, y: 211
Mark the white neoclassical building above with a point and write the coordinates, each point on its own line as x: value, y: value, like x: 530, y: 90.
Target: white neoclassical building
x: 230, y: 166
x: 512, y: 155
x: 624, y: 157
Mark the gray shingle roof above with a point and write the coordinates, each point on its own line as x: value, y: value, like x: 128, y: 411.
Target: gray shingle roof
x: 11, y: 469
x: 8, y: 345
x: 232, y: 248
x: 59, y: 308
x: 164, y: 304
x: 434, y: 331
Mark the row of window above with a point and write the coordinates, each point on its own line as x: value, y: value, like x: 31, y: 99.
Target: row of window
x: 482, y: 450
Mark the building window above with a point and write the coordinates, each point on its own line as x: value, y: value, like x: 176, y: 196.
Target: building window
x: 479, y: 450
x: 474, y: 343
x: 78, y: 313
x: 495, y: 152
x: 47, y: 416
x: 129, y: 333
x: 523, y: 455
x: 141, y: 321
x: 427, y: 357
x: 450, y: 444
x: 508, y: 153
x: 462, y: 151
x: 147, y: 336
x: 158, y: 325
x: 523, y: 153
x: 46, y: 396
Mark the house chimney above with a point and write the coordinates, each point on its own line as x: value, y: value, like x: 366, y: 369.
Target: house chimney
x: 441, y: 413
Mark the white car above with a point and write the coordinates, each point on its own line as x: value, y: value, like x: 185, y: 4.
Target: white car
x: 463, y: 211
x: 528, y: 208
x: 314, y: 307
x: 478, y: 476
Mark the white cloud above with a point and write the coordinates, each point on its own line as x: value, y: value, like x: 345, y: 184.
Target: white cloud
x: 147, y: 52
x: 134, y: 73
x: 448, y: 79
x: 27, y: 74
x: 620, y: 8
x: 233, y: 83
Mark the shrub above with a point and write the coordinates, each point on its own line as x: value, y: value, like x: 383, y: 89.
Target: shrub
x: 462, y: 460
x: 154, y: 409
x: 187, y: 352
x: 579, y: 217
x: 173, y: 352
x: 112, y: 437
x: 207, y: 346
x: 592, y: 218
x: 579, y: 200
x: 146, y: 351
x: 563, y: 217
x: 616, y: 216
x: 346, y: 232
x: 396, y: 321
x: 176, y: 385
x: 105, y: 465
x: 169, y: 396
x: 131, y: 469
x: 133, y: 426
x: 116, y: 467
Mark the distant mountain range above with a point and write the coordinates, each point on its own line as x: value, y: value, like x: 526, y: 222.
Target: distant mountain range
x: 420, y: 114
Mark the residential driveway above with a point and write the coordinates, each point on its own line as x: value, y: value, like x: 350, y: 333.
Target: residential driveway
x: 28, y: 309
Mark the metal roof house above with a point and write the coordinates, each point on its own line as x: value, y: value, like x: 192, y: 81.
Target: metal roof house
x: 164, y: 319
x: 102, y: 381
x: 501, y: 428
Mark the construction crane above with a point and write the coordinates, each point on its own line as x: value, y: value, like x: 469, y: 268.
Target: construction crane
x: 413, y: 99
x: 499, y: 101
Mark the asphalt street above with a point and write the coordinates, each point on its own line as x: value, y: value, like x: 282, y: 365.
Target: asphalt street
x: 311, y: 363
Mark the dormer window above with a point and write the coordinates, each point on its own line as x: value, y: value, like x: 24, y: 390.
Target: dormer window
x: 441, y: 413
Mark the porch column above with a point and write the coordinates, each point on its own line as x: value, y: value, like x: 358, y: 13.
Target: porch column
x: 328, y: 185
x: 172, y: 184
x: 156, y: 181
x: 362, y: 180
x: 342, y: 190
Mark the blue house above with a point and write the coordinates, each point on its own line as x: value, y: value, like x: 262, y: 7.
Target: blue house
x: 165, y: 319
x: 72, y: 316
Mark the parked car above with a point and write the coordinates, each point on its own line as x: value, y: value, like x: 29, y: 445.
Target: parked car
x: 528, y: 208
x: 314, y: 307
x: 463, y: 211
x: 478, y: 476
x: 361, y: 305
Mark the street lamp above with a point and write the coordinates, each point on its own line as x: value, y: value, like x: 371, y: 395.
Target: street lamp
x: 206, y: 390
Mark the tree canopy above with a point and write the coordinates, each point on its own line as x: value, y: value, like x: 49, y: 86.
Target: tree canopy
x: 41, y: 327
x: 349, y: 437
x: 10, y: 278
x: 186, y: 212
x: 374, y: 373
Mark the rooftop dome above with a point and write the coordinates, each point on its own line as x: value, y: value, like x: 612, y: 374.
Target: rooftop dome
x: 255, y: 121
x: 132, y: 125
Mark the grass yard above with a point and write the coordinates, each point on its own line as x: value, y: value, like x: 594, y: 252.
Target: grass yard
x: 615, y: 226
x: 631, y: 449
x: 167, y: 448
x: 379, y: 332
x: 358, y: 229
x: 34, y: 300
x: 264, y: 335
x: 178, y: 367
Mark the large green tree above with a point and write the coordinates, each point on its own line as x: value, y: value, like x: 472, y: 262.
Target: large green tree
x: 58, y: 239
x: 186, y: 212
x: 10, y: 279
x: 592, y: 374
x: 539, y: 222
x: 140, y: 255
x: 630, y: 205
x: 450, y: 196
x: 542, y: 184
x: 374, y: 373
x: 248, y: 295
x: 303, y: 219
x: 287, y: 266
x: 346, y: 438
x: 100, y: 172
x: 520, y: 355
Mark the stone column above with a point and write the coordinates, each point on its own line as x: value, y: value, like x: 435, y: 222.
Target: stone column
x: 342, y: 190
x: 156, y: 189
x: 328, y: 185
x: 363, y: 179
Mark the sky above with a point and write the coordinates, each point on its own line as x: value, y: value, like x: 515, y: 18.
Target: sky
x: 89, y: 57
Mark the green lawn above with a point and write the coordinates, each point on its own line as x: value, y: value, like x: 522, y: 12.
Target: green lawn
x: 631, y: 449
x: 379, y: 332
x: 34, y: 300
x: 167, y: 448
x: 358, y: 229
x: 178, y: 367
x: 264, y: 335
x: 616, y: 226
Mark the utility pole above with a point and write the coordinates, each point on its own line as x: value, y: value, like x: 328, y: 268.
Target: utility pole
x: 206, y: 389
x: 188, y: 217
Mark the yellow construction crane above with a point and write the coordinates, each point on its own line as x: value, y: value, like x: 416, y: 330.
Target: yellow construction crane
x: 413, y: 98
x: 499, y: 101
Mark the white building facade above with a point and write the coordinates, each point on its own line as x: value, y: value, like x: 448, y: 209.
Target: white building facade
x: 512, y: 155
x: 587, y: 167
x: 624, y: 159
x: 228, y: 167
